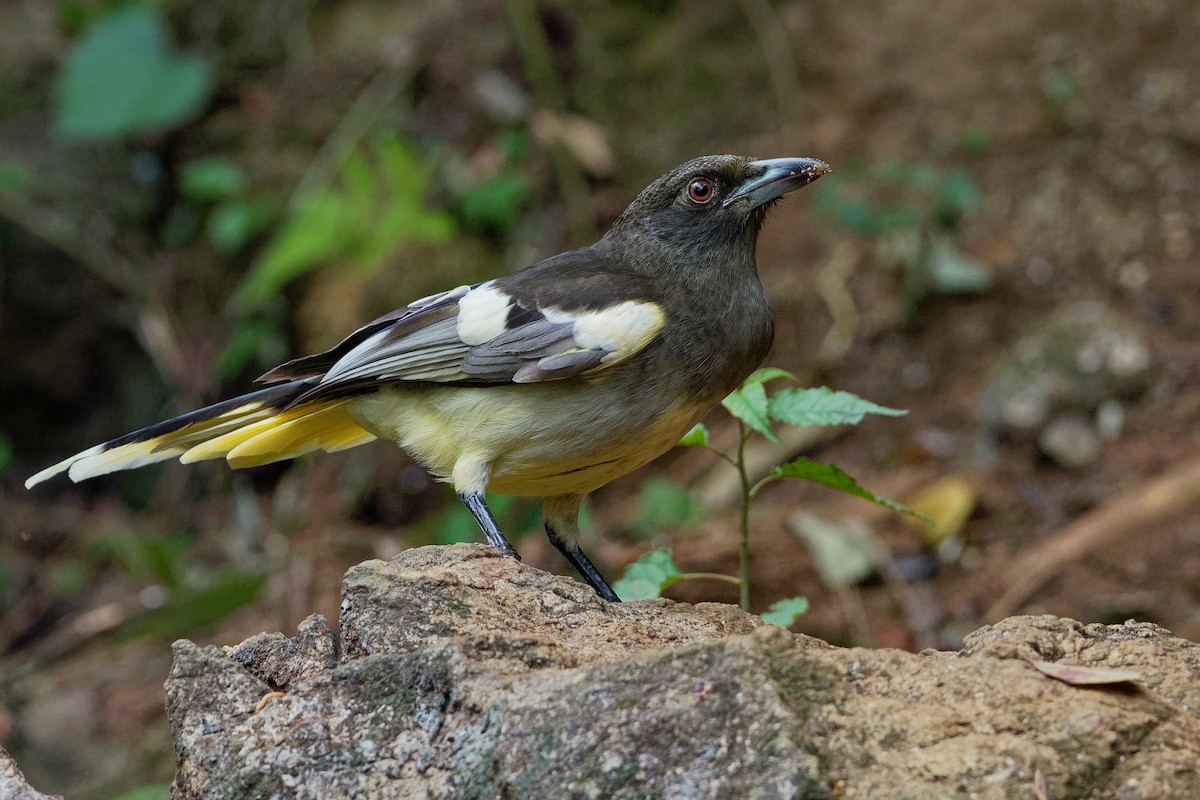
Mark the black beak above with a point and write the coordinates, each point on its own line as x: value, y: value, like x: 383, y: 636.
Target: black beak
x: 775, y: 177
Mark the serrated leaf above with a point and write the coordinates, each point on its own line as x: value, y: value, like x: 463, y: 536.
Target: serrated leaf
x: 696, y: 437
x: 749, y: 404
x: 785, y: 612
x: 835, y: 478
x: 823, y: 406
x: 648, y: 576
x: 766, y: 374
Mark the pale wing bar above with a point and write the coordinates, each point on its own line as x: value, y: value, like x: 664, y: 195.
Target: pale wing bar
x: 483, y: 335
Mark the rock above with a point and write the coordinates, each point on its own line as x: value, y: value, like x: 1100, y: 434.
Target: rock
x: 1081, y: 358
x: 1070, y: 440
x: 460, y: 673
x: 13, y: 785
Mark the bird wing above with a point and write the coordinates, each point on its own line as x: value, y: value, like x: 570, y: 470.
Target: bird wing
x: 489, y: 333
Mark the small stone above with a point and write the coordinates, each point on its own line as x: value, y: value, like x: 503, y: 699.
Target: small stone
x: 1070, y: 441
x: 501, y: 97
x: 1075, y: 362
x: 1110, y: 419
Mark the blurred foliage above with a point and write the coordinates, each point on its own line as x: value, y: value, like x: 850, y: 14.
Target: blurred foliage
x: 493, y: 205
x: 1060, y: 86
x: 214, y: 191
x: 376, y: 205
x: 183, y: 594
x: 515, y: 515
x: 15, y: 178
x: 913, y: 210
x: 6, y: 451
x: 123, y: 77
x: 663, y: 503
x: 157, y: 791
x: 197, y: 605
x: 893, y: 195
x: 844, y: 552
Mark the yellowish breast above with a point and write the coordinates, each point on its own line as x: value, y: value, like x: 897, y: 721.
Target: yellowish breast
x: 540, y: 441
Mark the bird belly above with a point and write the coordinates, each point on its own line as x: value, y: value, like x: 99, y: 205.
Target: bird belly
x: 534, y: 442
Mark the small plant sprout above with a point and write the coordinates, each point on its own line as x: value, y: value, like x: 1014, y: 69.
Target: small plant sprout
x: 756, y: 412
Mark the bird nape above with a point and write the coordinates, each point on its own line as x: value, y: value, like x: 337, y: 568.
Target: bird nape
x: 549, y: 382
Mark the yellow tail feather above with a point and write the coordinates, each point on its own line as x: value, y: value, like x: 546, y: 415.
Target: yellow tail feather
x: 247, y: 435
x: 284, y: 435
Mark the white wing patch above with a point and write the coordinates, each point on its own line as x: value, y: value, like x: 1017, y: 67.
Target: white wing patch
x: 621, y: 330
x: 486, y: 341
x: 482, y: 314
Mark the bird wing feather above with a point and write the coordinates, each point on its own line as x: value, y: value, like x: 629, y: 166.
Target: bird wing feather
x: 479, y: 335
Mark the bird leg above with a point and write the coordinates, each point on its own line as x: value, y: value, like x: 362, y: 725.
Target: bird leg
x: 562, y: 528
x: 476, y: 504
x: 583, y: 565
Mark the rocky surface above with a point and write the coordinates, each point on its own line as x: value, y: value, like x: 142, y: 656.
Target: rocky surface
x: 458, y: 673
x: 13, y: 785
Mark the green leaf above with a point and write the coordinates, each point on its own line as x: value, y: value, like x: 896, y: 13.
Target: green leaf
x: 255, y: 340
x: 766, y: 374
x: 192, y: 609
x: 958, y: 194
x: 235, y: 222
x: 150, y: 792
x: 121, y: 77
x: 494, y: 204
x: 376, y: 205
x: 832, y: 476
x: 1061, y: 86
x: 696, y: 437
x: 6, y: 451
x: 317, y: 233
x: 823, y: 406
x: 648, y: 576
x: 211, y: 179
x: 663, y: 503
x: 785, y: 612
x: 749, y: 404
x: 15, y: 178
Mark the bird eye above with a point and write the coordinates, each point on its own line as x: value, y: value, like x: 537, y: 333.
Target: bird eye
x: 701, y: 190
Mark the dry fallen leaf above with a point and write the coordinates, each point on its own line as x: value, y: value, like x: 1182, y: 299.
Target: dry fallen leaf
x: 949, y: 503
x: 1084, y: 676
x: 583, y: 137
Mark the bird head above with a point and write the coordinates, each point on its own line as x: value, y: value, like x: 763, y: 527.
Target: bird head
x: 714, y: 202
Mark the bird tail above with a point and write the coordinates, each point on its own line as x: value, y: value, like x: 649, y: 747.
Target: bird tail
x: 256, y: 428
